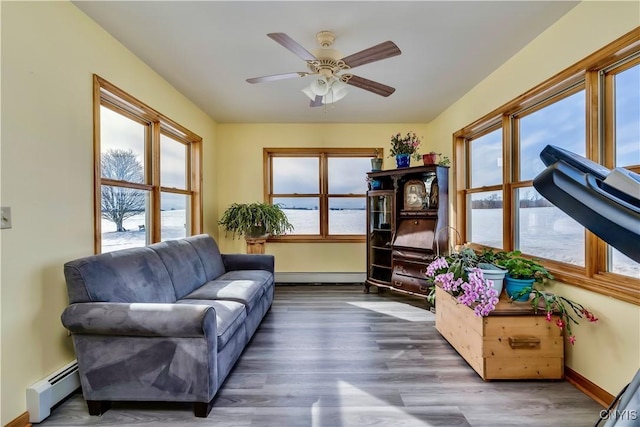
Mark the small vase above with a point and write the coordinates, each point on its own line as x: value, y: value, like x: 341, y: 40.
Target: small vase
x: 515, y: 286
x: 376, y: 165
x: 403, y: 160
x: 376, y: 184
x: 430, y: 158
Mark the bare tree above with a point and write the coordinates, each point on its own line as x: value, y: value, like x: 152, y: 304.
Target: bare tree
x: 120, y: 203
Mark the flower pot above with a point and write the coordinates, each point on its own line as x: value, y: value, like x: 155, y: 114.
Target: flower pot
x: 494, y: 273
x: 403, y: 160
x: 376, y: 165
x: 376, y: 184
x: 430, y: 158
x: 515, y: 286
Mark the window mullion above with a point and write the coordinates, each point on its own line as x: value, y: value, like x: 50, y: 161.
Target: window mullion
x: 155, y: 182
x: 595, y: 257
x: 324, y: 200
x: 510, y: 170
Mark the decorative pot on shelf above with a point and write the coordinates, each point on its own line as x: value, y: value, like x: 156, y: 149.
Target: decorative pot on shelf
x: 376, y: 184
x: 376, y: 165
x: 430, y: 158
x: 403, y: 160
x: 515, y: 286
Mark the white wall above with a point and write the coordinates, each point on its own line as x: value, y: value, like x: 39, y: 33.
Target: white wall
x: 615, y: 341
x: 49, y: 52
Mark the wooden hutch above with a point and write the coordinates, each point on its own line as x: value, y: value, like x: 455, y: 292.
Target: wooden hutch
x: 407, y: 225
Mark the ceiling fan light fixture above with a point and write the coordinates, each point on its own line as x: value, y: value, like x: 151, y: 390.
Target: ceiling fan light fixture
x: 337, y: 92
x: 320, y: 86
x: 307, y: 91
x: 337, y: 95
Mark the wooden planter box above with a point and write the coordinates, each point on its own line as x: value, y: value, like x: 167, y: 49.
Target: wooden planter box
x: 511, y: 343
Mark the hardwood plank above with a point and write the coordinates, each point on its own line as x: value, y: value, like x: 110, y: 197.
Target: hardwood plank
x: 333, y: 356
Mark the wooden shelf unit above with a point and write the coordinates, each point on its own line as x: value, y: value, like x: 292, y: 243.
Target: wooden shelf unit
x: 404, y: 217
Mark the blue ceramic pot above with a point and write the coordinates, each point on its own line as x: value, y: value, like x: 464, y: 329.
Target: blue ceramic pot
x: 515, y: 286
x: 376, y: 184
x: 403, y: 160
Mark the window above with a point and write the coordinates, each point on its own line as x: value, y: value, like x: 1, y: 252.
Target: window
x: 322, y: 191
x: 147, y: 173
x: 622, y: 90
x: 485, y: 189
x: 541, y: 229
x: 593, y: 112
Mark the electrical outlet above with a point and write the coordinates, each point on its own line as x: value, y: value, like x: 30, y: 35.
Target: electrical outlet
x: 5, y: 217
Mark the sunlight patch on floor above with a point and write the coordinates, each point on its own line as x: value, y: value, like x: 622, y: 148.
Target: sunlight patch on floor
x: 397, y: 309
x: 361, y: 408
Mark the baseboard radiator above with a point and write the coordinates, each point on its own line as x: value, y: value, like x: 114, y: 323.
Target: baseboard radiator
x: 317, y: 278
x: 45, y: 394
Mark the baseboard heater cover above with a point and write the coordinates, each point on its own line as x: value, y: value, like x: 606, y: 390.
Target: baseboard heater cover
x: 304, y: 277
x: 45, y: 394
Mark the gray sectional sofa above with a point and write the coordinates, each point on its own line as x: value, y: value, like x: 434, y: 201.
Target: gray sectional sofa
x: 165, y: 322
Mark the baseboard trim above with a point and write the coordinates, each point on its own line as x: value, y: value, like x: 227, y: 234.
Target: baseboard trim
x: 587, y: 387
x: 20, y: 421
x: 346, y: 278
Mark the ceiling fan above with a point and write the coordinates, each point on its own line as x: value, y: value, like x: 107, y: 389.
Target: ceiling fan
x: 332, y: 70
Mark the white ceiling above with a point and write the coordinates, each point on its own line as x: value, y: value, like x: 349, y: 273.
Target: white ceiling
x: 206, y: 50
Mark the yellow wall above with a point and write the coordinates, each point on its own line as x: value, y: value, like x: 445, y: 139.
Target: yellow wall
x: 615, y: 342
x: 49, y: 52
x: 241, y: 175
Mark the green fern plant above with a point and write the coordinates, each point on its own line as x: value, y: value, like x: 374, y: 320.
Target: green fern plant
x: 255, y: 220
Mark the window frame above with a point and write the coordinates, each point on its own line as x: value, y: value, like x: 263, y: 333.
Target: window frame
x: 594, y: 74
x: 107, y: 95
x: 323, y: 155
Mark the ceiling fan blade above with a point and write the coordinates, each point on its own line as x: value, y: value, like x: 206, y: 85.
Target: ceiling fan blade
x: 292, y: 45
x: 316, y: 102
x: 278, y: 77
x: 376, y: 53
x: 371, y: 86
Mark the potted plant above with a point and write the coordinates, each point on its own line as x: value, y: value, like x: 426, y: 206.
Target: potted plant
x: 376, y: 162
x: 255, y: 221
x: 459, y: 275
x: 430, y: 158
x: 521, y: 273
x: 403, y: 148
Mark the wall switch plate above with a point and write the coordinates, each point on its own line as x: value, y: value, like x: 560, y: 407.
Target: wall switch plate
x: 5, y: 217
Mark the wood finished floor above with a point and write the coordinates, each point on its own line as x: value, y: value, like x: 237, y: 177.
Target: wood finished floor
x: 333, y: 356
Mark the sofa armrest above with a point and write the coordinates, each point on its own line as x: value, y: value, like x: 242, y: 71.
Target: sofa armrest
x: 140, y: 319
x: 248, y: 262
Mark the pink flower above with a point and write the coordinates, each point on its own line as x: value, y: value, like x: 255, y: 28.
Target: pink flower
x: 589, y: 315
x: 560, y: 323
x: 549, y: 313
x: 572, y: 339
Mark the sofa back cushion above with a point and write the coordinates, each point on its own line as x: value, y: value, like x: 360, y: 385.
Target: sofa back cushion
x: 183, y: 264
x: 207, y: 249
x: 128, y: 275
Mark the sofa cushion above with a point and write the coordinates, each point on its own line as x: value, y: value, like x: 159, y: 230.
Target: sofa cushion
x: 183, y: 264
x: 247, y: 292
x: 127, y: 275
x: 265, y: 278
x: 230, y: 316
x: 207, y: 250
